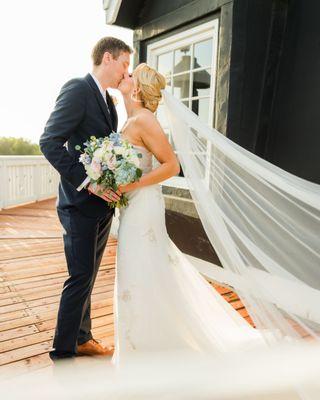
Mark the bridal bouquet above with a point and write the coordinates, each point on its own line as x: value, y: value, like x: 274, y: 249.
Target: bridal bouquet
x: 110, y: 162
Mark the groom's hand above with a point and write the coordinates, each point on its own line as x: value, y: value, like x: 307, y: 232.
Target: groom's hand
x: 107, y: 195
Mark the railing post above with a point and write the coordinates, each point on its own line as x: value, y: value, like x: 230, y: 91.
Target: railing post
x: 3, y: 185
x: 29, y: 171
x: 36, y: 178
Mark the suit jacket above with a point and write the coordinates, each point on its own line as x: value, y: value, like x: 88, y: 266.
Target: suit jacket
x: 80, y: 112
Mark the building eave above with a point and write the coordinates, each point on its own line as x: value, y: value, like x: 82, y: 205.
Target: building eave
x: 111, y: 8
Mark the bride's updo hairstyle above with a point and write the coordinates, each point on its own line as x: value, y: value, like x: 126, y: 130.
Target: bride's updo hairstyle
x: 150, y: 83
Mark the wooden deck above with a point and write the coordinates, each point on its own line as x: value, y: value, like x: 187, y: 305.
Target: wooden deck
x: 32, y: 272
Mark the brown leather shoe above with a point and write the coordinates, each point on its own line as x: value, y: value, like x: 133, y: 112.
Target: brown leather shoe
x: 93, y: 348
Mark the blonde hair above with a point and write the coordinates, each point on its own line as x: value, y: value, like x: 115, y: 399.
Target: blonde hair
x: 150, y: 83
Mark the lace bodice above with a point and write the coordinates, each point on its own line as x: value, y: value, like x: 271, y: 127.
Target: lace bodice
x: 146, y: 160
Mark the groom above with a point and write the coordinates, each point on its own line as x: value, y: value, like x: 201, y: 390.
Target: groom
x: 83, y: 108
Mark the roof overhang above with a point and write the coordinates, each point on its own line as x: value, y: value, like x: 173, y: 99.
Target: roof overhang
x: 111, y: 8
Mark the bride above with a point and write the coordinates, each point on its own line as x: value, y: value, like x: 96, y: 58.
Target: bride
x: 161, y: 302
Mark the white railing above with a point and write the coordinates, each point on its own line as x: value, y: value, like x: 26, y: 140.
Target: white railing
x: 25, y: 179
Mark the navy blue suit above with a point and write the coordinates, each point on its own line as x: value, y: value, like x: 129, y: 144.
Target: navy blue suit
x: 80, y: 112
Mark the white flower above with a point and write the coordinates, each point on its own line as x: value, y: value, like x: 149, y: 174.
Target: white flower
x: 108, y: 148
x: 98, y: 154
x: 93, y: 170
x: 119, y: 150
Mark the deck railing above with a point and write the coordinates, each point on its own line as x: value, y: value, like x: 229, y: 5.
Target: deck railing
x: 25, y: 179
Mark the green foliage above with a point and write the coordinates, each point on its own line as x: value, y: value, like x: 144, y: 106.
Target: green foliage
x: 18, y: 146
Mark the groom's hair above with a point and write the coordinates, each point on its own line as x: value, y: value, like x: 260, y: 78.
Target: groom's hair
x: 112, y: 45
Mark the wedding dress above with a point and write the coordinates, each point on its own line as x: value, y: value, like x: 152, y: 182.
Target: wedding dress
x: 161, y: 302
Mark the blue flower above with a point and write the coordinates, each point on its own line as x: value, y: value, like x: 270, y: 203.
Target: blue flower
x: 115, y: 137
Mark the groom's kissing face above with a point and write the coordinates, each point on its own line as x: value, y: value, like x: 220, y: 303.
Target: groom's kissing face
x: 121, y: 65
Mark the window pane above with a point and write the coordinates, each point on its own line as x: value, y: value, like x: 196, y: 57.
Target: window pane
x: 165, y: 63
x: 201, y: 108
x: 203, y: 54
x: 181, y: 84
x: 182, y: 59
x: 201, y: 83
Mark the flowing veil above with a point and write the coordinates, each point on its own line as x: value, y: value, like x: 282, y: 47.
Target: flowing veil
x: 263, y: 222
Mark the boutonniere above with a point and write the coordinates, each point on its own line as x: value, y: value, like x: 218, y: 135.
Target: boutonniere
x: 114, y: 100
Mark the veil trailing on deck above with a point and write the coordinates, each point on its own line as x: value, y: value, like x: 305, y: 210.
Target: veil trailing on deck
x: 263, y: 223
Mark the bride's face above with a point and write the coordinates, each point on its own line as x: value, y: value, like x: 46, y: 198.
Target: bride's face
x: 127, y: 85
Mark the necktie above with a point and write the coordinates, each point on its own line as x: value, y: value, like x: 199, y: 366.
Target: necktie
x: 106, y: 100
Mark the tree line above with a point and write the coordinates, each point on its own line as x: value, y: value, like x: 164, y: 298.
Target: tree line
x: 11, y: 146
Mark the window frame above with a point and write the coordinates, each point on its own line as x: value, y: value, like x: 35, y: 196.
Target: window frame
x: 205, y: 31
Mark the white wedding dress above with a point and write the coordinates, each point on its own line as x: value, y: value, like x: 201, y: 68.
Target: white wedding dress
x: 161, y: 302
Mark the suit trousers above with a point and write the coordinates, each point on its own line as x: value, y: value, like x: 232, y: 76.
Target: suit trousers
x: 85, y: 239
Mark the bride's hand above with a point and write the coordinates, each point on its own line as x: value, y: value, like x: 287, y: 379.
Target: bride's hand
x: 127, y: 188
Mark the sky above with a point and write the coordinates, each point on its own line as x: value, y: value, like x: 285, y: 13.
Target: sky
x: 43, y: 44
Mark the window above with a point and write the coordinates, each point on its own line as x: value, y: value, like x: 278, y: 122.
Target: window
x: 188, y: 61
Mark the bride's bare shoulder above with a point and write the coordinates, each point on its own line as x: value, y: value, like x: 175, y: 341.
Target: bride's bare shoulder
x: 146, y: 119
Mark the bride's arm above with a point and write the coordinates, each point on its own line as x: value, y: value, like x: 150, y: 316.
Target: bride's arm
x: 155, y: 141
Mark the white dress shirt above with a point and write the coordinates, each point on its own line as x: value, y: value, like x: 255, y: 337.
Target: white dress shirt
x: 104, y: 96
x: 103, y: 92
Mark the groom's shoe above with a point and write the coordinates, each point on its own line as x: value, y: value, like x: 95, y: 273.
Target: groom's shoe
x: 60, y: 355
x: 93, y: 348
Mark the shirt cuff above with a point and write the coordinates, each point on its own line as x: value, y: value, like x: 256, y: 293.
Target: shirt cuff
x: 83, y: 184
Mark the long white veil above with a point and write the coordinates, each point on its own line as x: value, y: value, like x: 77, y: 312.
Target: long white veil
x: 263, y: 223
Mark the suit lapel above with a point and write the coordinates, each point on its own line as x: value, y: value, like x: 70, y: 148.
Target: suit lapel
x: 113, y: 112
x: 100, y: 100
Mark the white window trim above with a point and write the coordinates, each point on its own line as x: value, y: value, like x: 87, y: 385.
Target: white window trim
x: 209, y: 30
x: 196, y: 34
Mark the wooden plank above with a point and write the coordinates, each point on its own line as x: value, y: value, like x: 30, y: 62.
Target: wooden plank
x: 29, y: 262
x: 33, y: 212
x: 98, y: 321
x: 4, y: 289
x: 48, y: 291
x: 56, y: 279
x: 44, y: 271
x: 48, y: 204
x: 41, y: 314
x: 230, y: 297
x: 237, y: 304
x: 98, y: 298
x: 38, y: 337
x: 106, y: 291
x: 17, y: 332
x: 37, y: 276
x: 7, y: 317
x: 221, y: 290
x: 24, y: 352
x: 12, y: 344
x: 25, y: 365
x: 42, y: 286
